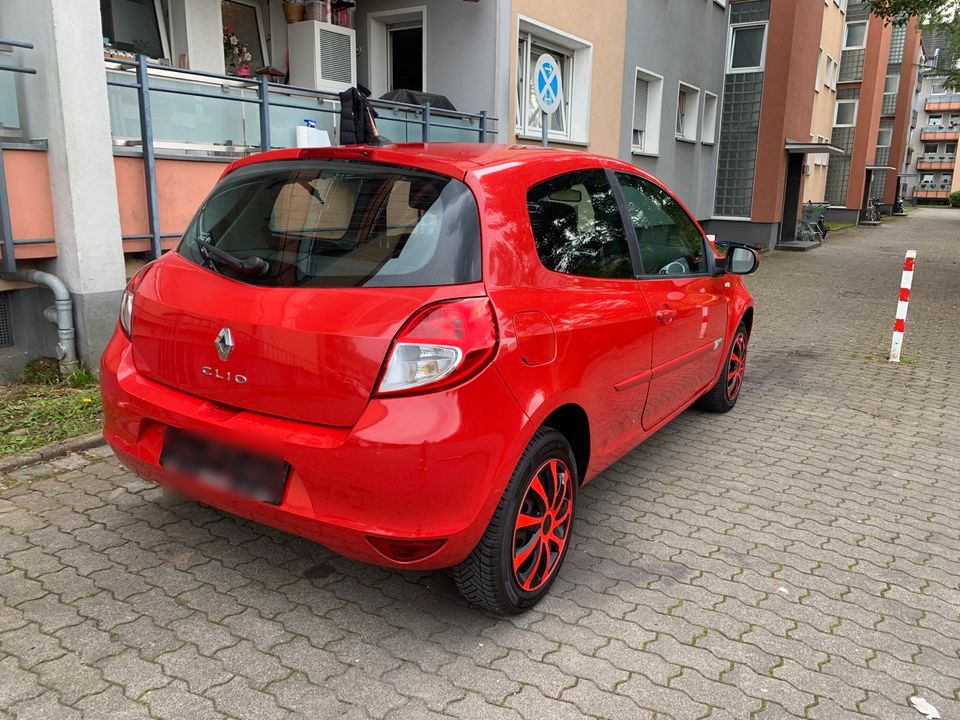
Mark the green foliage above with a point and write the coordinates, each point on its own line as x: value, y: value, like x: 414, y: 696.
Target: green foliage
x: 954, y: 198
x: 34, y: 415
x: 41, y: 371
x: 899, y: 12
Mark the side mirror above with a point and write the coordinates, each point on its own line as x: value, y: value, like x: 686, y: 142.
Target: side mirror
x: 742, y: 260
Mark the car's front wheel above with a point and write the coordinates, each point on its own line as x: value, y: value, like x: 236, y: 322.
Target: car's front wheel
x: 723, y: 395
x: 518, y: 558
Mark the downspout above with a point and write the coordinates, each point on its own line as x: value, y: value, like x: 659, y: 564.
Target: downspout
x: 61, y: 313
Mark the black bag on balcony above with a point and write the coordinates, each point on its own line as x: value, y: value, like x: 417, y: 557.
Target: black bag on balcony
x: 357, y: 120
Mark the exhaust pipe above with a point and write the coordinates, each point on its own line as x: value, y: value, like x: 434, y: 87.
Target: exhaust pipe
x: 61, y: 313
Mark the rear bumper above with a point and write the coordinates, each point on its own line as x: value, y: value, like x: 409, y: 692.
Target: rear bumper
x: 414, y: 468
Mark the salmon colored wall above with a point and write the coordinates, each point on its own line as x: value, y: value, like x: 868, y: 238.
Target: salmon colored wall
x: 181, y: 187
x: 790, y: 73
x: 28, y: 188
x: 868, y: 111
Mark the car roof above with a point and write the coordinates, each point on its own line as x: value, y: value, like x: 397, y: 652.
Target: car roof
x: 454, y: 159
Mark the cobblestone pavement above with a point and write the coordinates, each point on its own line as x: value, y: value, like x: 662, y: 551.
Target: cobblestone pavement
x: 799, y: 556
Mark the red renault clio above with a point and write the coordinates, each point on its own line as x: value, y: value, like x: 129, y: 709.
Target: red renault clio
x: 416, y: 355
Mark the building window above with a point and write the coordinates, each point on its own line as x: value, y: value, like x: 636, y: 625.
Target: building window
x: 647, y: 103
x: 574, y: 56
x: 939, y: 88
x: 688, y: 105
x: 134, y: 26
x: 748, y: 45
x: 936, y: 120
x: 926, y: 178
x: 831, y: 74
x: 708, y: 134
x: 930, y: 148
x: 855, y: 36
x: 891, y: 84
x: 884, y: 137
x: 846, y: 113
x: 819, y: 71
x: 950, y: 149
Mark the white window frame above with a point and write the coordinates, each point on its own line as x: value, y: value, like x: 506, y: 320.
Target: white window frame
x: 832, y: 73
x: 651, y: 133
x: 931, y: 123
x: 836, y: 112
x: 731, y: 33
x: 708, y: 124
x: 576, y: 88
x: 880, y: 131
x: 846, y: 33
x: 378, y: 41
x: 820, y: 71
x: 689, y: 123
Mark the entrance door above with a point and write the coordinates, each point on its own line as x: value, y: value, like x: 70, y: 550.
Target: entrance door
x: 688, y: 303
x: 791, y: 197
x: 405, y: 57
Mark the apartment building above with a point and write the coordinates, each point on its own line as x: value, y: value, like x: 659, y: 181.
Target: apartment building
x: 874, y: 112
x: 779, y: 95
x: 934, y: 174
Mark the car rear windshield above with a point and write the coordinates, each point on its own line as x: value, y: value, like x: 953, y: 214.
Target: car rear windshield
x: 337, y: 224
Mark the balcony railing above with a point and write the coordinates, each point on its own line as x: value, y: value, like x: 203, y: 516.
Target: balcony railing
x: 936, y: 162
x: 942, y: 102
x: 203, y: 113
x: 939, y: 132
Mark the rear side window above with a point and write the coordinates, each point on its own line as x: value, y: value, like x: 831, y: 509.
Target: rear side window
x: 669, y: 241
x: 338, y: 224
x: 577, y: 226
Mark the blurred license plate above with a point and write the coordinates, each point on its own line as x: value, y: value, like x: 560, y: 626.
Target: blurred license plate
x: 227, y: 468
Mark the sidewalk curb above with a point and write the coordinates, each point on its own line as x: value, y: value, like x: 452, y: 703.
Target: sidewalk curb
x: 52, y: 451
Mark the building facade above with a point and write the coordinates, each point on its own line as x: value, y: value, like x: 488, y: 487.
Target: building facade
x: 934, y: 174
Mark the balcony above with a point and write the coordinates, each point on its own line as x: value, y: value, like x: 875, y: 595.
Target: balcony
x: 936, y: 162
x: 932, y: 133
x: 932, y: 190
x: 939, y: 103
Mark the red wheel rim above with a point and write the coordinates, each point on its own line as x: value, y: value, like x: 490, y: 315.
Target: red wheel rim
x: 542, y: 527
x: 738, y: 358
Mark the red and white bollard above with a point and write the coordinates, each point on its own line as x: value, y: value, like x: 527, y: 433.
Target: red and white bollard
x: 899, y: 324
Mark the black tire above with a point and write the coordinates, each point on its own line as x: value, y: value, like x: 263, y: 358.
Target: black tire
x: 512, y: 567
x: 723, y: 396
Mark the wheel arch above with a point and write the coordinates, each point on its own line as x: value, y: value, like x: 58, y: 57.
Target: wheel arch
x: 747, y: 319
x: 572, y: 422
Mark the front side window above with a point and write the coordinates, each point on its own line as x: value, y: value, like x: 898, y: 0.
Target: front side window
x: 855, y: 36
x: 747, y: 45
x: 337, y: 224
x: 668, y: 240
x: 577, y: 226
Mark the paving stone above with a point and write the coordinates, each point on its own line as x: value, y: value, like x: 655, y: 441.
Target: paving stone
x: 44, y: 707
x: 239, y: 700
x: 71, y: 679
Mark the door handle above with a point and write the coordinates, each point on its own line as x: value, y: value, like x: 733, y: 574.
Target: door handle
x: 666, y: 315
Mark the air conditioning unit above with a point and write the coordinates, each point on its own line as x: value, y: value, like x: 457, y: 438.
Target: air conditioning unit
x: 322, y: 56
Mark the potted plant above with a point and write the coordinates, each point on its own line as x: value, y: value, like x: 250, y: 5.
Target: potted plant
x: 236, y: 55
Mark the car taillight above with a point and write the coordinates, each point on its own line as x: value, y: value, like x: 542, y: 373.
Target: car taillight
x: 126, y: 301
x: 440, y: 346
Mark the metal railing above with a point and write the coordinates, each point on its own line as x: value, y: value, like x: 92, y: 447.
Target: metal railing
x: 215, y: 130
x: 945, y: 98
x: 6, y: 229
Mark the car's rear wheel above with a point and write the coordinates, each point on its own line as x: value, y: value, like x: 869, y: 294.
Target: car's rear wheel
x: 518, y: 558
x: 723, y: 395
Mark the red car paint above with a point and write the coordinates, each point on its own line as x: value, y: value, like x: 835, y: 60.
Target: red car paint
x: 425, y: 469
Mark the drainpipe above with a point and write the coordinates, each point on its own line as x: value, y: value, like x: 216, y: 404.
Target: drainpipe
x: 61, y: 313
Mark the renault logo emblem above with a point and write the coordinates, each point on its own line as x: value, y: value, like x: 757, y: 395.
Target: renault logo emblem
x: 224, y: 343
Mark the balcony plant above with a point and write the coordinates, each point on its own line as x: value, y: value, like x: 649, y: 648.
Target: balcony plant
x: 293, y: 11
x: 235, y: 54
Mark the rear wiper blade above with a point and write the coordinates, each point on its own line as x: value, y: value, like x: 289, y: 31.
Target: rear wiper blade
x: 254, y: 265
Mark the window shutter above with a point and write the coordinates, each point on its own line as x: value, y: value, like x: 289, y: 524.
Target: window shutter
x: 640, y: 110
